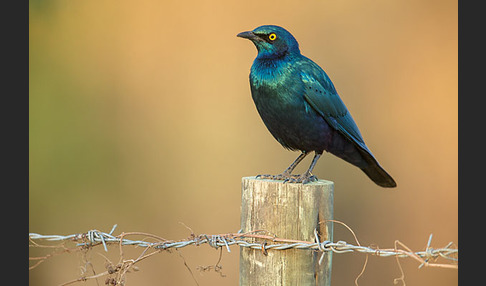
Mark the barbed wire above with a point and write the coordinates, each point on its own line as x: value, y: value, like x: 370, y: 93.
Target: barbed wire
x: 255, y: 241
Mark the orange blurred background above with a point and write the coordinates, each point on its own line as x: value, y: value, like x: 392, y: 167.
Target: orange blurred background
x: 141, y: 116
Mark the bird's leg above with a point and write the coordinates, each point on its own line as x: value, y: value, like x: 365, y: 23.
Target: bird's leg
x: 307, y: 177
x: 294, y: 164
x: 286, y: 175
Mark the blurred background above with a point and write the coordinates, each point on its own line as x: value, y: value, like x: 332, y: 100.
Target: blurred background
x: 141, y: 116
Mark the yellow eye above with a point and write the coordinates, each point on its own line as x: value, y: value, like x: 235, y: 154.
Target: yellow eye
x: 272, y: 37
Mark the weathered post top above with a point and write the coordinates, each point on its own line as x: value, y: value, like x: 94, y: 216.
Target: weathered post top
x: 291, y: 211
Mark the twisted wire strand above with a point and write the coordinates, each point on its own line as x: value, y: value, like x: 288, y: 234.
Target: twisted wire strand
x: 96, y: 237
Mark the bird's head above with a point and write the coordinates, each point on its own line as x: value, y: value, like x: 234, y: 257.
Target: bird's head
x: 272, y: 41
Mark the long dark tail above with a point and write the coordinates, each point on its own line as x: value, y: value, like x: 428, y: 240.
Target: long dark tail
x: 364, y: 160
x: 358, y: 154
x: 378, y: 175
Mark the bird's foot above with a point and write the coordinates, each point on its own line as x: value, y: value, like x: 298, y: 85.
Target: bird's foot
x: 304, y: 178
x: 280, y: 177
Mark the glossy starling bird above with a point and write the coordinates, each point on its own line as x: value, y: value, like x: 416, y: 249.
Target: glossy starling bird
x: 301, y: 108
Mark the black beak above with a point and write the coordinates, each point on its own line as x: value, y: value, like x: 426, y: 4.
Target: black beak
x: 247, y: 35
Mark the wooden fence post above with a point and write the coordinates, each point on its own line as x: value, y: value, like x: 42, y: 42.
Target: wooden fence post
x: 289, y: 211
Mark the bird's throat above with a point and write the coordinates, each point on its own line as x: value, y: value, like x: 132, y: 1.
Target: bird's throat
x: 269, y: 72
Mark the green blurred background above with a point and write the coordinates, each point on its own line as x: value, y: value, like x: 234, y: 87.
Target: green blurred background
x: 141, y: 115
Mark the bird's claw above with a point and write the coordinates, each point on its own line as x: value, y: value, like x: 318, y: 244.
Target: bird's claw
x: 304, y: 179
x: 288, y: 178
x: 280, y: 177
x: 265, y: 177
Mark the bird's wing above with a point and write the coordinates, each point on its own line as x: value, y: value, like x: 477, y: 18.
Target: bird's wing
x: 322, y: 96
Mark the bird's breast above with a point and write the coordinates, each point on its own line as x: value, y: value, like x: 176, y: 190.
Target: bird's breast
x: 279, y: 99
x: 273, y: 92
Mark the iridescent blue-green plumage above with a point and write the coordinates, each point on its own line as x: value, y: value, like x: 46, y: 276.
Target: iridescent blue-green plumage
x: 301, y: 108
